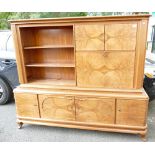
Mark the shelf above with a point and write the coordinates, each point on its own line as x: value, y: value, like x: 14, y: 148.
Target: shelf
x: 49, y: 46
x: 52, y: 82
x: 54, y: 64
x: 49, y: 55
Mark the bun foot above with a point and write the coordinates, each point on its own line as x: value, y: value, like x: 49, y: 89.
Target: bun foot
x: 20, y: 124
x: 143, y: 137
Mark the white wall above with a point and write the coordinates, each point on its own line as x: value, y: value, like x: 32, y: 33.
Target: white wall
x: 151, y: 23
x: 148, y: 53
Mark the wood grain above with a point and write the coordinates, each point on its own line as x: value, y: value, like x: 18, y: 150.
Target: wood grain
x: 34, y: 82
x: 86, y: 125
x: 27, y: 105
x: 67, y: 20
x: 73, y: 70
x: 57, y: 107
x: 140, y: 53
x: 49, y: 47
x: 97, y: 110
x: 49, y: 56
x: 131, y: 112
x: 41, y: 36
x: 89, y: 37
x: 58, y: 73
x: 120, y: 36
x: 105, y: 69
x: 18, y: 55
x: 60, y: 64
x: 81, y: 92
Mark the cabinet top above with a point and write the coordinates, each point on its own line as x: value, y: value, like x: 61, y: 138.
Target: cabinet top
x: 79, y: 19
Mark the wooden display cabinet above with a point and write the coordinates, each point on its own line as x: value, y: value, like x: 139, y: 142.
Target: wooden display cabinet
x: 84, y: 72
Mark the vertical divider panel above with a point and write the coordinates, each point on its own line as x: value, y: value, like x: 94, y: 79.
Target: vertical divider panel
x: 74, y: 42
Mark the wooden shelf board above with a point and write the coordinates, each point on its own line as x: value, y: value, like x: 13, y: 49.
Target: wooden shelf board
x: 49, y: 46
x: 61, y: 82
x: 54, y: 64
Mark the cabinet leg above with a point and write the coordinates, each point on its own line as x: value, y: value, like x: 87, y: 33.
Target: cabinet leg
x: 143, y: 137
x: 20, y: 124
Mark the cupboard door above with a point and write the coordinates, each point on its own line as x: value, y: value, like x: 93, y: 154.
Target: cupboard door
x: 131, y: 112
x: 95, y: 110
x: 57, y: 107
x: 120, y: 36
x: 27, y: 105
x: 89, y: 37
x: 105, y: 69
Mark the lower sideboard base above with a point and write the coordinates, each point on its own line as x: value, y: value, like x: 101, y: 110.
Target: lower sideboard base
x: 142, y: 131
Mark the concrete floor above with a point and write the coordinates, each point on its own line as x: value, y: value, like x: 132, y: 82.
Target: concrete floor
x: 33, y: 133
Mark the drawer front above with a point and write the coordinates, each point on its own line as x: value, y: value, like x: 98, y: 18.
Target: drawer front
x: 131, y: 112
x: 105, y: 69
x: 26, y: 105
x: 95, y: 110
x: 89, y: 37
x: 120, y: 36
x: 57, y: 107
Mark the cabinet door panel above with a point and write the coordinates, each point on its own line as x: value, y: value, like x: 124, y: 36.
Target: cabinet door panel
x: 89, y: 37
x: 27, y: 105
x: 120, y: 36
x: 131, y: 112
x: 97, y: 110
x: 57, y: 107
x: 105, y: 69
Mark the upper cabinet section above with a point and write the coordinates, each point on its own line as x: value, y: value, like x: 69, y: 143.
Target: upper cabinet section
x: 89, y: 37
x: 120, y: 36
x: 107, y: 52
x: 108, y: 37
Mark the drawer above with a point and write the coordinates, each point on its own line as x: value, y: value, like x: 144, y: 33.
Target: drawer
x: 131, y: 112
x: 95, y: 110
x: 57, y: 107
x: 26, y: 105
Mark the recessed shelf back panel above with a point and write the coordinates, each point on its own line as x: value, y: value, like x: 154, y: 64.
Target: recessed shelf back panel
x: 50, y: 73
x: 60, y: 55
x: 54, y: 35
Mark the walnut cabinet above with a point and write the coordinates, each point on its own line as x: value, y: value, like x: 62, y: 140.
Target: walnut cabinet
x: 84, y: 72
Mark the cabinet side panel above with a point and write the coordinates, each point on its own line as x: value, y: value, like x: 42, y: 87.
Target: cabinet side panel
x: 21, y: 51
x: 140, y: 53
x: 18, y: 55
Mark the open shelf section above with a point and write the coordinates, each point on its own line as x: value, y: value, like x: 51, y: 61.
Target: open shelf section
x: 47, y: 37
x: 49, y: 46
x: 54, y: 64
x: 49, y: 55
x: 51, y: 76
x: 52, y: 82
